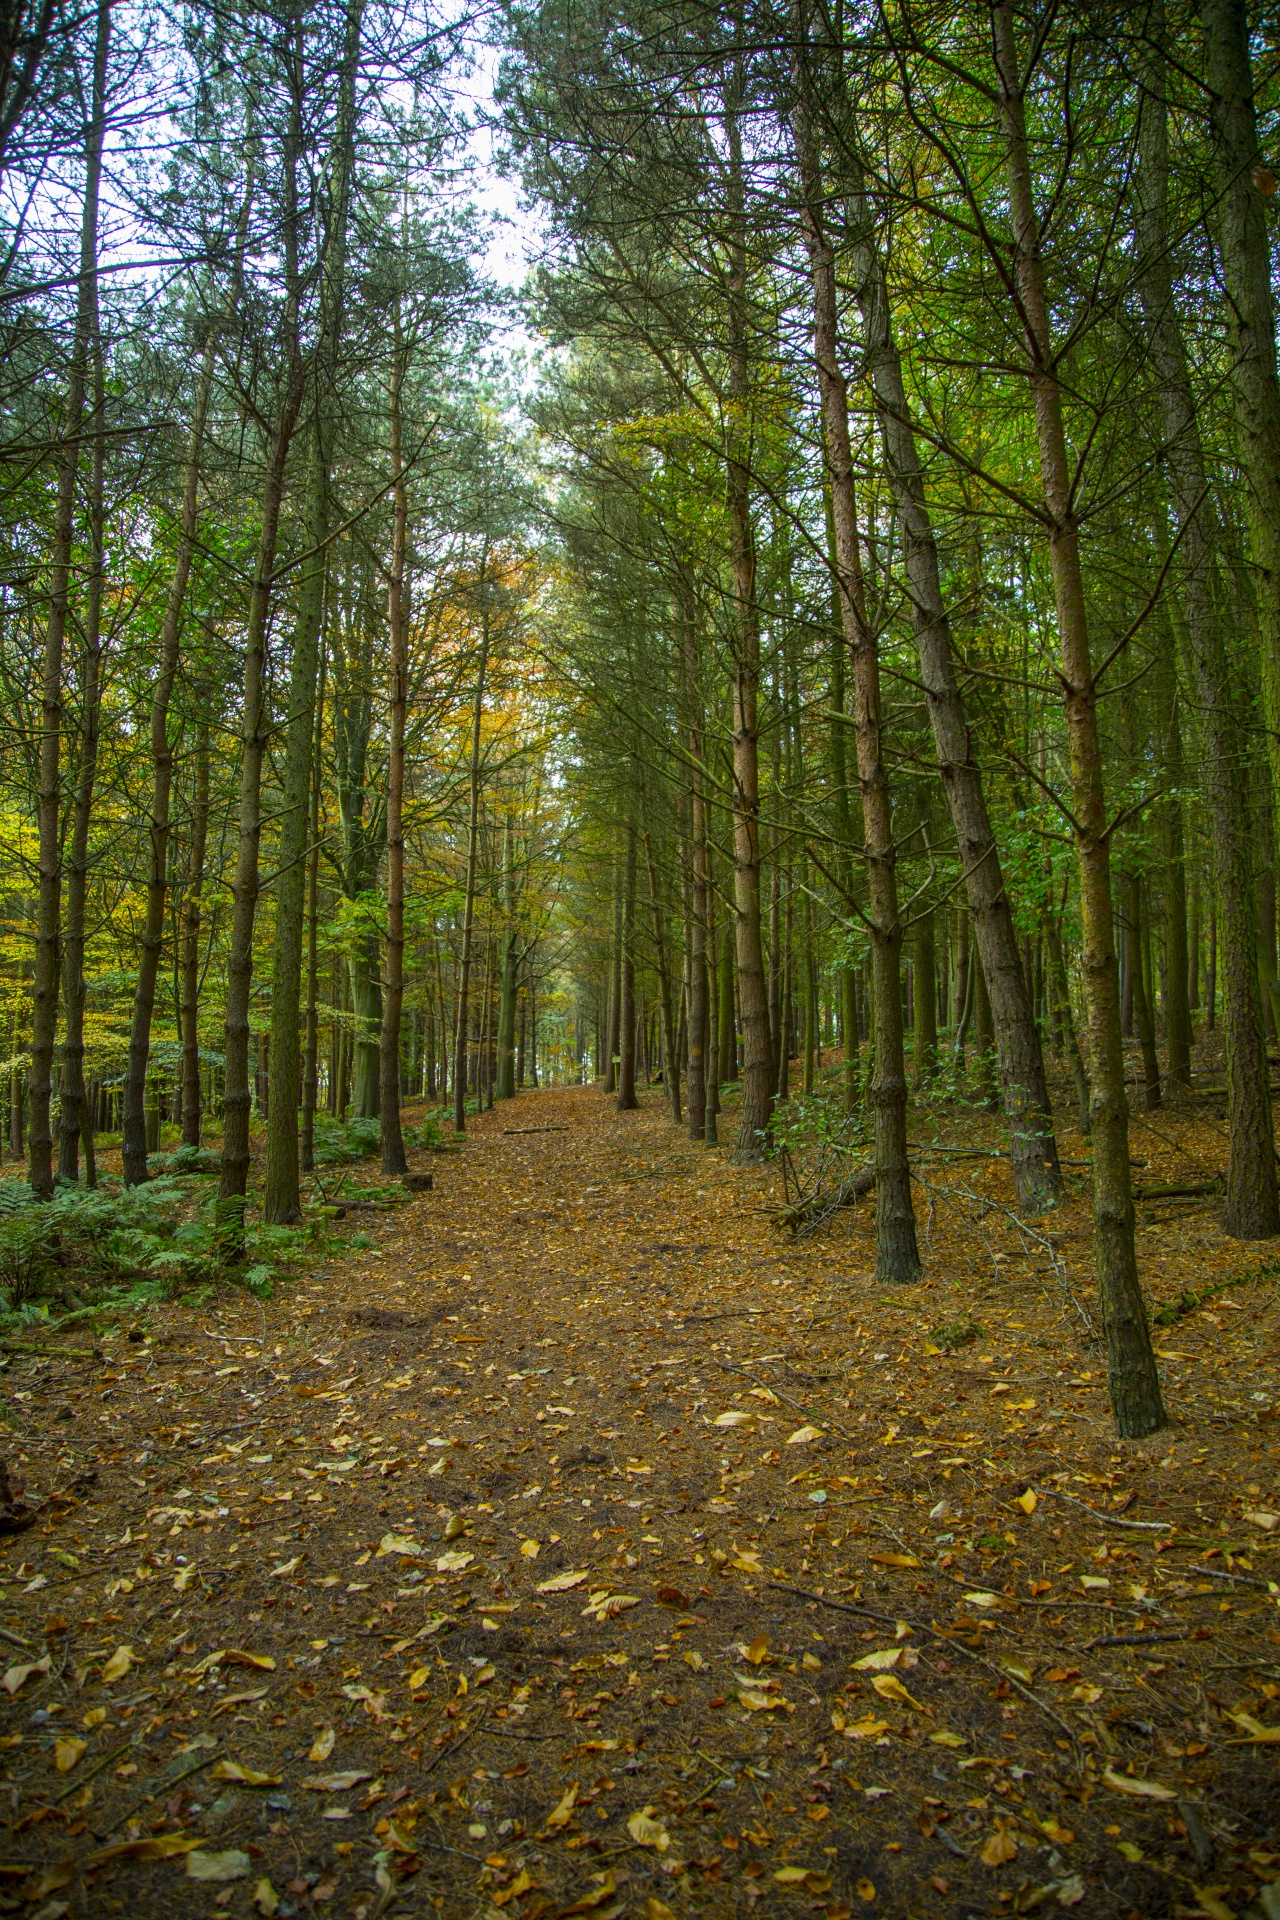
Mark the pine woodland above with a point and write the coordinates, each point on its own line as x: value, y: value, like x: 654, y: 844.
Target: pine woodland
x: 712, y: 796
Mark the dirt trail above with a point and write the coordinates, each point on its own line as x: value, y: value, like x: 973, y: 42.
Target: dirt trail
x: 588, y: 1547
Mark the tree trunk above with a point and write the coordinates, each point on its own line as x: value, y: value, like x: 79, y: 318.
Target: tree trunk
x: 897, y: 1255
x: 75, y: 1120
x: 1134, y: 1381
x: 1061, y: 990
x: 757, y: 1071
x: 393, y: 1156
x: 236, y: 1099
x: 670, y: 1042
x: 925, y: 1061
x: 1025, y: 1091
x: 281, y: 1195
x: 462, y: 1009
x: 1143, y: 1016
x: 1245, y: 246
x: 311, y: 1057
x: 1252, y: 1208
x: 626, y: 1100
x: 696, y: 925
x: 190, y: 1020
x: 44, y: 990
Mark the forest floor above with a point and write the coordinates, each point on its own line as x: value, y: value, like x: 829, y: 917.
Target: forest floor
x: 589, y: 1546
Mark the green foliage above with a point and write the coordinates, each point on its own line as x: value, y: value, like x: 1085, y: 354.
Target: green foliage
x: 956, y: 1334
x: 337, y: 1141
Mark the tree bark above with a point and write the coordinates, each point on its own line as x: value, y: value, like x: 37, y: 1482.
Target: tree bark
x: 393, y: 1156
x: 281, y: 1195
x: 462, y: 1010
x: 76, y: 1121
x: 1024, y: 1089
x: 1253, y: 1207
x: 191, y: 946
x: 897, y: 1254
x: 925, y: 1060
x: 626, y: 1100
x: 44, y: 989
x: 311, y: 1055
x: 757, y: 1068
x: 508, y: 974
x: 1134, y: 1380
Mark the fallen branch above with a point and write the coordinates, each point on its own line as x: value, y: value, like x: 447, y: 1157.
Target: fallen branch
x: 1112, y: 1519
x: 553, y: 1129
x: 60, y: 1353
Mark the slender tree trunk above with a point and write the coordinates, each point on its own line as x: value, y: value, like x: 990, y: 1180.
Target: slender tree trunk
x: 757, y: 1070
x: 1245, y: 246
x: 1253, y: 1208
x: 462, y: 1009
x: 311, y: 1058
x: 393, y: 1155
x: 696, y: 926
x: 190, y: 1020
x: 237, y: 1099
x: 1061, y: 990
x: 1135, y: 1383
x: 925, y: 1062
x: 44, y: 991
x: 1177, y: 996
x: 508, y: 975
x: 76, y: 1121
x: 670, y: 1042
x: 897, y: 1255
x: 626, y: 1100
x: 1025, y: 1092
x: 1143, y: 1017
x: 281, y: 1195
x: 615, y: 989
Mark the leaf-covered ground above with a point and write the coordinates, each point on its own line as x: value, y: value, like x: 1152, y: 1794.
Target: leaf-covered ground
x: 589, y: 1546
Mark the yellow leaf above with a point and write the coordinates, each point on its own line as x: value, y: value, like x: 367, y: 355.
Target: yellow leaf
x: 562, y: 1582
x: 868, y: 1729
x: 759, y: 1702
x: 945, y: 1738
x: 981, y: 1599
x: 1138, y: 1789
x: 895, y: 1559
x: 237, y: 1657
x: 999, y: 1847
x: 1257, y: 1733
x: 530, y: 1549
x: 880, y: 1661
x: 453, y: 1561
x: 655, y: 1909
x: 67, y: 1751
x: 756, y: 1652
x: 286, y: 1567
x: 561, y: 1813
x: 791, y: 1876
x: 647, y: 1831
x: 118, y: 1665
x: 322, y: 1746
x: 266, y: 1900
x: 94, y: 1717
x: 16, y: 1676
x: 419, y: 1678
x: 1027, y: 1501
x: 889, y: 1687
x: 400, y: 1543
x: 1210, y: 1903
x: 244, y: 1776
x: 802, y: 1436
x: 335, y: 1782
x: 159, y: 1846
x: 588, y: 1902
x: 183, y: 1578
x: 733, y: 1419
x: 865, y: 1890
x: 453, y: 1526
x: 747, y: 1561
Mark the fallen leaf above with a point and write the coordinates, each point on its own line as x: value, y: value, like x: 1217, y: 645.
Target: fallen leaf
x: 419, y: 1678
x: 894, y: 1559
x: 1027, y: 1501
x: 322, y: 1746
x: 286, y: 1567
x: 562, y: 1812
x: 237, y: 1657
x: 889, y: 1687
x: 801, y: 1438
x: 757, y: 1651
x: 588, y: 1902
x: 999, y: 1847
x: 400, y: 1543
x: 530, y: 1549
x: 982, y: 1599
x: 1070, y: 1891
x: 1268, y: 1522
x: 759, y: 1702
x: 655, y: 1909
x: 647, y: 1831
x: 606, y: 1606
x: 453, y: 1562
x: 868, y: 1729
x: 945, y: 1738
x: 1138, y: 1789
x: 67, y: 1751
x: 243, y: 1776
x: 231, y: 1865
x: 335, y: 1782
x: 562, y: 1582
x: 733, y: 1419
x: 158, y: 1846
x: 18, y: 1676
x: 118, y: 1665
x: 880, y: 1661
x: 1210, y: 1902
x: 671, y: 1597
x: 865, y: 1889
x: 791, y: 1876
x: 266, y: 1900
x: 1257, y: 1734
x: 747, y: 1561
x: 183, y: 1578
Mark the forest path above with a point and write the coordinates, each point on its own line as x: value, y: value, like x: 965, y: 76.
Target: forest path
x: 523, y: 1565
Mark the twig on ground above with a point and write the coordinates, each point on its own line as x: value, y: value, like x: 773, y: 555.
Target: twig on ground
x: 1112, y: 1519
